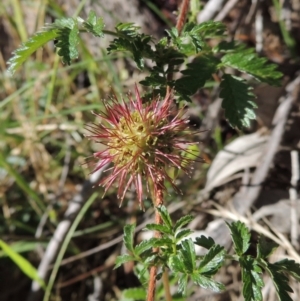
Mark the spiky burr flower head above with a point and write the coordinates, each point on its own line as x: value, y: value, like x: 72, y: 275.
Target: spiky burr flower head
x: 141, y: 141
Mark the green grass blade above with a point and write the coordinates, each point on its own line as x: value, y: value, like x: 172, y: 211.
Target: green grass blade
x: 25, y: 266
x: 35, y: 201
x: 66, y: 243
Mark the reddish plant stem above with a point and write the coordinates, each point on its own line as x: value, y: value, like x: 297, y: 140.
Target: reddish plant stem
x: 158, y: 201
x: 184, y: 8
x: 152, y: 284
x: 182, y: 15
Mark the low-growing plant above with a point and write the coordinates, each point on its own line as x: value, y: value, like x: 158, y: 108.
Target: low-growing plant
x: 148, y: 134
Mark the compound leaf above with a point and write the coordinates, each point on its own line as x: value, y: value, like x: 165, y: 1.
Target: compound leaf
x: 192, y: 38
x: 241, y: 237
x: 205, y: 242
x: 165, y: 216
x: 281, y: 282
x: 145, y: 245
x: 207, y: 283
x: 176, y: 263
x: 182, y: 284
x: 195, y: 75
x: 247, y: 61
x: 188, y: 255
x: 265, y: 247
x: 21, y: 54
x: 161, y: 228
x: 67, y: 38
x: 208, y: 29
x: 128, y: 237
x: 94, y: 25
x: 164, y: 242
x: 251, y: 277
x: 130, y: 40
x: 182, y: 222
x: 289, y: 266
x: 212, y: 261
x: 183, y: 233
x: 237, y: 101
x: 123, y: 259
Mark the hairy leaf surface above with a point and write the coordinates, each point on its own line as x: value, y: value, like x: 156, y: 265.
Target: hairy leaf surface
x: 237, y: 101
x: 247, y: 61
x: 241, y: 237
x: 21, y: 54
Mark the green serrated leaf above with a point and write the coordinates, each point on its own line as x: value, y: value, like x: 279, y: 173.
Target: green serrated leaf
x: 137, y: 293
x: 212, y: 261
x: 251, y: 277
x: 289, y: 266
x: 182, y: 284
x: 207, y: 283
x: 129, y: 28
x: 67, y: 38
x: 165, y: 216
x: 35, y: 42
x: 247, y: 61
x: 148, y: 261
x: 145, y: 245
x: 189, y: 31
x: 176, y: 264
x: 162, y: 42
x: 281, y: 282
x: 205, y: 242
x: 164, y: 53
x: 173, y: 33
x: 237, y: 101
x: 154, y: 80
x: 208, y: 29
x: 192, y: 37
x: 265, y: 247
x: 182, y: 233
x: 123, y: 259
x: 195, y: 76
x: 164, y: 242
x: 182, y: 222
x: 161, y: 228
x: 128, y: 237
x: 224, y: 46
x: 189, y: 42
x: 188, y: 255
x: 130, y: 40
x: 24, y: 265
x: 141, y: 271
x: 241, y: 237
x: 94, y: 25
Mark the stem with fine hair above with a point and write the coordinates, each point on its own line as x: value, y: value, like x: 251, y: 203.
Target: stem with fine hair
x: 157, y: 201
x: 184, y: 9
